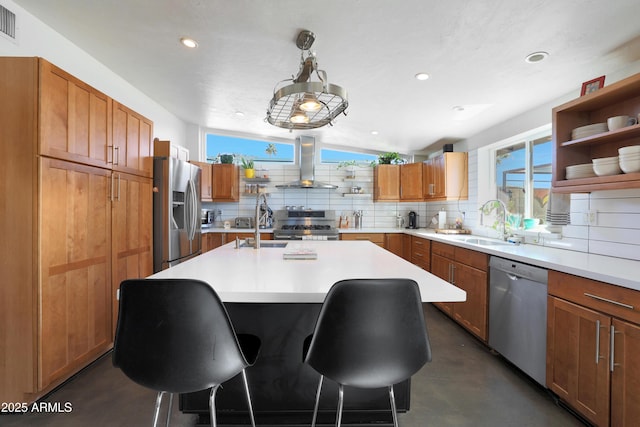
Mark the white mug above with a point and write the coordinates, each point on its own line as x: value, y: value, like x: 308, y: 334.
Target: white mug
x: 619, y: 122
x: 399, y: 221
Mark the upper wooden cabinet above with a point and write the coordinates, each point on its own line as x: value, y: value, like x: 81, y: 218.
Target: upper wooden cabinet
x: 206, y: 191
x: 169, y: 149
x: 75, y: 119
x: 411, y: 182
x: 131, y: 142
x: 445, y: 177
x: 617, y: 99
x: 386, y: 183
x: 225, y: 183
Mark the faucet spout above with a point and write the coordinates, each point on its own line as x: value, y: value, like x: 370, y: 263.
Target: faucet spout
x: 263, y: 197
x: 504, y: 215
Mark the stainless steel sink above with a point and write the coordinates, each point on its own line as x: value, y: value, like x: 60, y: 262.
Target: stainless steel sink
x: 265, y: 244
x: 484, y: 242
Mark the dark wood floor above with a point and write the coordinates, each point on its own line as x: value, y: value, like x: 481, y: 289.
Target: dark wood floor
x: 464, y: 385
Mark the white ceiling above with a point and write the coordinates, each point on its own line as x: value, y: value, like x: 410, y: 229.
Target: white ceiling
x: 474, y: 51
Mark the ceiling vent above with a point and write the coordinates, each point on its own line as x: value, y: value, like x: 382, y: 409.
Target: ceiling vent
x: 7, y: 24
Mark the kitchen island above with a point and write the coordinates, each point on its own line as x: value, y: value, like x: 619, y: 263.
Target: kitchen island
x: 279, y: 300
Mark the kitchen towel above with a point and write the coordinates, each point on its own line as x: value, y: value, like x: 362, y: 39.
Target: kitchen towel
x: 559, y: 209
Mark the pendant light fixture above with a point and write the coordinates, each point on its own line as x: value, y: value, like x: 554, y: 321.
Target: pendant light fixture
x: 306, y: 104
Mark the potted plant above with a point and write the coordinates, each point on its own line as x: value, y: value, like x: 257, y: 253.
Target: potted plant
x: 350, y: 166
x: 226, y: 158
x: 390, y: 158
x: 248, y: 166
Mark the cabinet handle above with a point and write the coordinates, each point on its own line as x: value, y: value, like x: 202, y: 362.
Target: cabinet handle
x: 598, y: 357
x: 431, y: 189
x: 118, y: 197
x: 596, y: 297
x: 612, y: 350
x: 111, y: 192
x: 116, y: 155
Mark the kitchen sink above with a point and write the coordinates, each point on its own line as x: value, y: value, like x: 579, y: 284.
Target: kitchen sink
x: 266, y: 244
x: 482, y: 241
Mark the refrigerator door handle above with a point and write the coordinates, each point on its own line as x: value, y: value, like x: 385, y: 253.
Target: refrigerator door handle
x: 191, y: 213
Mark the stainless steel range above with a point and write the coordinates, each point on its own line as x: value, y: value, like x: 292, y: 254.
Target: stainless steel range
x: 302, y: 224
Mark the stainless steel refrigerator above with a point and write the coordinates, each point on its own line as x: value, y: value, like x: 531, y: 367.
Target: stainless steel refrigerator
x: 176, y: 212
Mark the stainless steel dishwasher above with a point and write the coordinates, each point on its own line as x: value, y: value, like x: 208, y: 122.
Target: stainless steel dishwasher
x: 518, y: 315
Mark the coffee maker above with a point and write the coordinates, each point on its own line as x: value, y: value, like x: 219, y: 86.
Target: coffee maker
x: 413, y: 220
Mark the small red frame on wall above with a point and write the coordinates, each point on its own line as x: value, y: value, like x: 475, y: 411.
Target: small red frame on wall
x: 592, y: 85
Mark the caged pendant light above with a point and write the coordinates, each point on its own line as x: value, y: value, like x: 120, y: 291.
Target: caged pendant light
x: 306, y: 104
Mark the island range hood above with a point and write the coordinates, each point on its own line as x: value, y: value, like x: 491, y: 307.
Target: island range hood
x: 307, y: 167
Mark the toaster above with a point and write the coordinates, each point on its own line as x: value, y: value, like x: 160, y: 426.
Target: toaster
x: 244, y: 222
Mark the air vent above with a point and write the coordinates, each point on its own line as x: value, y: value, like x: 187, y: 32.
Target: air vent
x: 7, y: 23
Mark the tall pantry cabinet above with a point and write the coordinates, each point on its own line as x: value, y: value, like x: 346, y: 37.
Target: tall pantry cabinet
x: 75, y: 203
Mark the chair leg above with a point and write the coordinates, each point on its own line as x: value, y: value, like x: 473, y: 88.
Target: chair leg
x: 169, y: 410
x: 340, y: 403
x: 315, y: 409
x: 156, y: 412
x: 212, y: 405
x: 392, y: 398
x: 246, y: 389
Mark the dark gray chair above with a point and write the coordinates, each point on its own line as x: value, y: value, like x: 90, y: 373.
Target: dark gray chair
x: 370, y: 333
x: 174, y: 336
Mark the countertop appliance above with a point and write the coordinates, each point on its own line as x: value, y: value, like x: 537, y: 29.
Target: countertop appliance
x: 207, y: 218
x: 244, y: 222
x: 176, y: 212
x: 518, y: 315
x: 301, y: 224
x: 413, y: 220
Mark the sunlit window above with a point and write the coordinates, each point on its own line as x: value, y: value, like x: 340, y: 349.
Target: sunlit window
x: 255, y: 149
x: 336, y: 156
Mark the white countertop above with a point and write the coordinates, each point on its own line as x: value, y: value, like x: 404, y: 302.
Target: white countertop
x: 263, y: 276
x: 616, y: 271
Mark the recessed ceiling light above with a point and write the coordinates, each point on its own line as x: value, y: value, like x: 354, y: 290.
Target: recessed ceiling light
x: 239, y: 114
x: 422, y: 76
x: 190, y: 43
x: 374, y: 132
x: 534, y: 57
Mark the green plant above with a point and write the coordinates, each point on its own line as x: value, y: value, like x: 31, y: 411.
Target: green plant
x: 390, y: 158
x: 347, y: 163
x: 247, y: 163
x: 271, y: 150
x: 226, y: 158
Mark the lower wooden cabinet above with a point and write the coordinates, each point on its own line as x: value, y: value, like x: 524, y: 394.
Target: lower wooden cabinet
x: 468, y: 270
x: 421, y: 252
x: 394, y: 243
x: 593, y: 342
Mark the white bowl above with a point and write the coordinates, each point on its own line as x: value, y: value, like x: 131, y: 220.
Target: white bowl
x: 604, y: 169
x: 605, y: 160
x: 630, y: 165
x: 630, y: 156
x: 632, y: 149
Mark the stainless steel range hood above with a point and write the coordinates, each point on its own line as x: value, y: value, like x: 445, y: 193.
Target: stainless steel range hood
x: 307, y: 167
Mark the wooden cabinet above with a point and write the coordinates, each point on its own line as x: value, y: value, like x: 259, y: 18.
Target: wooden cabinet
x: 445, y: 177
x: 386, y: 183
x: 66, y: 239
x: 132, y: 241
x: 620, y: 98
x: 421, y: 252
x: 75, y: 119
x: 211, y: 241
x: 75, y: 268
x: 132, y: 148
x: 411, y: 182
x: 206, y: 194
x: 377, y: 238
x: 169, y: 149
x: 593, y: 336
x: 225, y: 183
x: 394, y: 243
x: 406, y: 246
x: 468, y: 270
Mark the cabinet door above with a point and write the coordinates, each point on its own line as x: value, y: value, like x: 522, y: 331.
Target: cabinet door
x: 406, y: 246
x: 439, y: 174
x: 205, y: 181
x: 131, y: 144
x: 411, y: 182
x: 132, y: 231
x: 472, y: 314
x: 428, y: 179
x: 577, y: 349
x: 625, y: 381
x: 225, y: 183
x: 421, y: 252
x: 393, y: 242
x: 386, y: 183
x: 74, y: 118
x: 441, y: 267
x: 75, y: 268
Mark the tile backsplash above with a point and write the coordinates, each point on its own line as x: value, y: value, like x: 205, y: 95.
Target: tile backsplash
x: 604, y: 222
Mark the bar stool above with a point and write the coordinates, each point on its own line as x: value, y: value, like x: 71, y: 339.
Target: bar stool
x: 175, y: 336
x: 370, y: 333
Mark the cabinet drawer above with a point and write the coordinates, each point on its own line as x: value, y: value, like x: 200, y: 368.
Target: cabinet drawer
x: 377, y: 238
x: 443, y: 249
x: 614, y: 300
x: 472, y: 258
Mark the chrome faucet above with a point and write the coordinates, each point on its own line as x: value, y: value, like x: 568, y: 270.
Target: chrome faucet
x: 504, y: 216
x: 256, y: 239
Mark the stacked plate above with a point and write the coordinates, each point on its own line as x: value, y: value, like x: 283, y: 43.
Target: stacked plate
x: 585, y: 131
x: 580, y: 171
x: 606, y: 166
x: 630, y: 158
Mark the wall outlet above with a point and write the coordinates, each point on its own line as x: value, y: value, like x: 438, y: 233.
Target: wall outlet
x: 592, y: 217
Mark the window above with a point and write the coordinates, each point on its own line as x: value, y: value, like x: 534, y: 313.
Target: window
x: 336, y: 156
x: 258, y: 150
x: 523, y: 174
